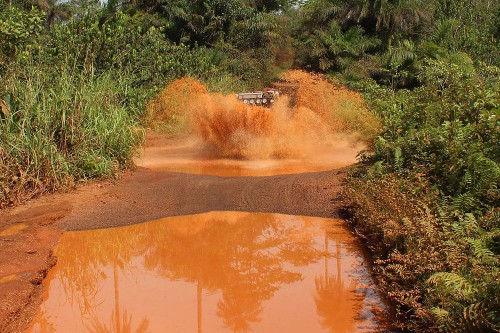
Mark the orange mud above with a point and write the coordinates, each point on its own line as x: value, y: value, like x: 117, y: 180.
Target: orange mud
x: 188, y: 155
x: 26, y: 242
x: 316, y: 116
x: 212, y: 272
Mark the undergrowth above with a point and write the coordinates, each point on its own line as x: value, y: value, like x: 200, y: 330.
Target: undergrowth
x: 426, y: 199
x: 441, y: 272
x: 62, y: 129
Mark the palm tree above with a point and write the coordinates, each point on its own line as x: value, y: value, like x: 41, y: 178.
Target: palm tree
x: 81, y: 256
x: 332, y: 48
x: 333, y: 298
x: 405, y: 16
x: 55, y: 9
x: 118, y: 324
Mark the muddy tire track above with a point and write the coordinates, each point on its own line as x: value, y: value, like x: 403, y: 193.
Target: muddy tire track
x: 149, y: 195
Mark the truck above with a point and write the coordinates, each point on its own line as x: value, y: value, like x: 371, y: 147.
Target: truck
x: 265, y: 97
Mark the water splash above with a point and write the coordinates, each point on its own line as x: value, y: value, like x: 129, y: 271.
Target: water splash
x: 313, y: 113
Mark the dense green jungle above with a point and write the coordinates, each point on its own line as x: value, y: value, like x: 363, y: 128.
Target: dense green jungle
x: 75, y: 77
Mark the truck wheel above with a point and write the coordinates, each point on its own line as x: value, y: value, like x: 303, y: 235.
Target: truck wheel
x: 252, y: 101
x: 259, y: 101
x: 264, y: 101
x: 245, y: 101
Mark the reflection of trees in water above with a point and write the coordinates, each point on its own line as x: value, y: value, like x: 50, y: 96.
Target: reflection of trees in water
x: 117, y: 323
x: 242, y: 256
x: 239, y: 309
x: 43, y: 324
x: 244, y: 260
x: 82, y: 255
x: 336, y: 303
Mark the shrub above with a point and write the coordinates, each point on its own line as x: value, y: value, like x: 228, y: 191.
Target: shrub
x: 441, y: 271
x: 61, y: 129
x: 428, y: 204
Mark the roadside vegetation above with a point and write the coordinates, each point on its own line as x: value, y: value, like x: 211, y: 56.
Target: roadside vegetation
x: 77, y: 81
x: 75, y: 78
x: 426, y: 197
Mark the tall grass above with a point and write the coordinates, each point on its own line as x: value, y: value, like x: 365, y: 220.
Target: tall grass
x: 62, y: 127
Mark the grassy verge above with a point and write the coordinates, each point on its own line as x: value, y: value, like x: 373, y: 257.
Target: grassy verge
x: 426, y: 200
x: 61, y: 130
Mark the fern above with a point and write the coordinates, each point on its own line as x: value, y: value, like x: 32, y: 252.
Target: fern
x: 398, y: 158
x: 467, y: 226
x: 482, y: 317
x: 442, y: 316
x: 464, y: 202
x: 481, y: 251
x: 467, y: 182
x: 455, y: 283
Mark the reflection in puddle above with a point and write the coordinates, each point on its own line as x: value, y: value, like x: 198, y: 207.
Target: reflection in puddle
x: 213, y: 272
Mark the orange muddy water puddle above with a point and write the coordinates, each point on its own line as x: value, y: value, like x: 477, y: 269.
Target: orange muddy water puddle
x: 186, y: 155
x: 13, y: 230
x: 212, y: 272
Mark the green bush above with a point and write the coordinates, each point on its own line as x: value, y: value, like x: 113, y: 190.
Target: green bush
x: 429, y: 203
x: 447, y: 129
x: 61, y: 129
x: 18, y: 30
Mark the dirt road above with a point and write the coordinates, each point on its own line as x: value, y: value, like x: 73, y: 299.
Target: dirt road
x: 29, y: 232
x: 147, y: 195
